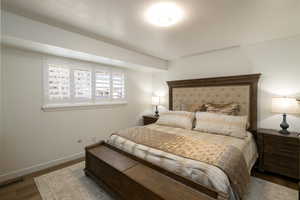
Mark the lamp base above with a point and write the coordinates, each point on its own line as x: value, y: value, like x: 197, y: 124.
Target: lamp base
x: 156, y: 112
x: 284, y: 125
x: 284, y: 132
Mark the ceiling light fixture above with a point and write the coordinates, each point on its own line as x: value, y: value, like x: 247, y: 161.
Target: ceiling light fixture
x: 164, y: 14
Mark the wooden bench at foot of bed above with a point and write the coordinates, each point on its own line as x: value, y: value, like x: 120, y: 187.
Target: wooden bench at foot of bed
x: 126, y: 177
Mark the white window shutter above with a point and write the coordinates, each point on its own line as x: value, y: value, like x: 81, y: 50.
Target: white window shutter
x: 71, y: 82
x: 58, y: 83
x: 82, y: 84
x: 118, y: 85
x: 102, y: 84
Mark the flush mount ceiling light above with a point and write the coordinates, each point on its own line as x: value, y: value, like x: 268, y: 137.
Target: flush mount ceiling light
x: 164, y: 14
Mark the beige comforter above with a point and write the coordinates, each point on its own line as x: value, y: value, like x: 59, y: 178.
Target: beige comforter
x: 197, y: 171
x: 226, y: 157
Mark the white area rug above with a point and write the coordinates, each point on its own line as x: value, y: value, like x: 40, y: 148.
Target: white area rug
x: 71, y: 184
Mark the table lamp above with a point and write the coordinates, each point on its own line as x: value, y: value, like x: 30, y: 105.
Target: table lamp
x: 156, y: 102
x: 284, y: 105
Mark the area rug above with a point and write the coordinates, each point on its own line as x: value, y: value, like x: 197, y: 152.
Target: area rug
x: 70, y: 183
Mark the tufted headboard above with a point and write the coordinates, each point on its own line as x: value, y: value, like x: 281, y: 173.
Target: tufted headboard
x: 232, y: 89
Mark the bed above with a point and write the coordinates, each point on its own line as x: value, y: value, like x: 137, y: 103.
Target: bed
x: 231, y: 179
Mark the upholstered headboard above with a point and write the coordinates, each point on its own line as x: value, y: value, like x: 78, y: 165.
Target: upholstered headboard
x: 232, y: 89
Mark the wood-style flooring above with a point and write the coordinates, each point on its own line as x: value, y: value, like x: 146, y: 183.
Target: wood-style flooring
x: 27, y: 190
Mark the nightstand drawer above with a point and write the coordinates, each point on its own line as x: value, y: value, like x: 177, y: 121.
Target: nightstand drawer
x: 281, y: 161
x: 271, y: 139
x: 288, y: 151
x: 286, y: 171
x: 282, y: 146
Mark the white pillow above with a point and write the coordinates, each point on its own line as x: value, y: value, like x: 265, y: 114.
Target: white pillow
x: 180, y: 119
x: 235, y: 126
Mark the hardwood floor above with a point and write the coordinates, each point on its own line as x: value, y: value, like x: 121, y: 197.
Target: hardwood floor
x: 27, y: 190
x: 278, y: 179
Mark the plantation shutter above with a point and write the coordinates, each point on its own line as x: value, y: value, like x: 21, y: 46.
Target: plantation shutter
x: 77, y: 83
x: 58, y: 83
x: 102, y: 84
x: 82, y: 84
x: 118, y: 85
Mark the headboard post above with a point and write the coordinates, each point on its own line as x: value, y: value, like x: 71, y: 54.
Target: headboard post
x: 250, y: 80
x: 170, y: 96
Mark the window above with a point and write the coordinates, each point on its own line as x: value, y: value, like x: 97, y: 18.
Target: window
x: 59, y: 82
x: 82, y: 84
x: 102, y: 84
x: 70, y: 83
x: 118, y: 89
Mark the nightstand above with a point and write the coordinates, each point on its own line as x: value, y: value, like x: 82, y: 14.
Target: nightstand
x: 149, y: 119
x: 279, y: 153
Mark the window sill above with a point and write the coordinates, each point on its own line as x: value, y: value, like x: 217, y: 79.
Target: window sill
x: 80, y: 106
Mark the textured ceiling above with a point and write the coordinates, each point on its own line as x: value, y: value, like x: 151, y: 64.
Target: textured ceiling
x: 208, y: 24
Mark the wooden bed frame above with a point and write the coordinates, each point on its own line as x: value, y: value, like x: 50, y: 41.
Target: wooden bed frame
x: 127, y: 177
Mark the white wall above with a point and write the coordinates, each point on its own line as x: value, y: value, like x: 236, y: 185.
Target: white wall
x: 277, y: 60
x: 33, y: 137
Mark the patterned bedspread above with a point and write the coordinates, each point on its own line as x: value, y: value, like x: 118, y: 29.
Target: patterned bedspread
x: 191, y: 154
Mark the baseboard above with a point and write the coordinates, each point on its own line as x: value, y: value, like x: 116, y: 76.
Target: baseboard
x: 21, y: 172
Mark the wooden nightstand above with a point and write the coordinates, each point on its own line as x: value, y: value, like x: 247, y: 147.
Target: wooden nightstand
x: 149, y: 119
x: 279, y: 153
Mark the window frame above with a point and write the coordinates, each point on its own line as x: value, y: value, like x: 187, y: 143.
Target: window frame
x: 73, y: 102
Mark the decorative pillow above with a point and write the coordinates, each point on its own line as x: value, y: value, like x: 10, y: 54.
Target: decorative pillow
x: 180, y: 119
x: 235, y: 126
x: 192, y: 107
x: 227, y: 109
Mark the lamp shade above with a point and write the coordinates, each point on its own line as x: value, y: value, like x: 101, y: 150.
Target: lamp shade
x: 285, y: 105
x: 155, y: 100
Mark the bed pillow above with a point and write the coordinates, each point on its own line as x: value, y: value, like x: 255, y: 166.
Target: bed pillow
x: 180, y: 119
x: 235, y: 126
x: 227, y: 109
